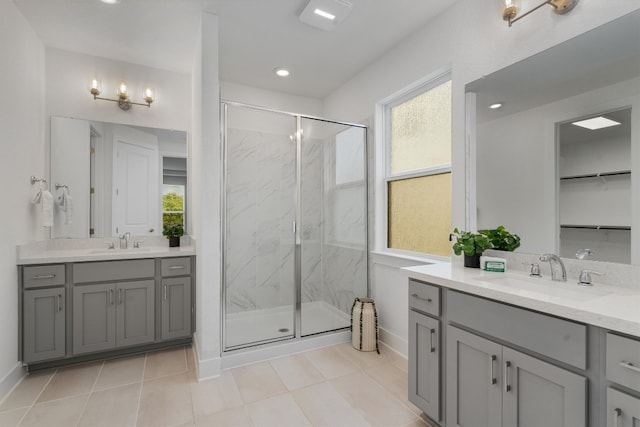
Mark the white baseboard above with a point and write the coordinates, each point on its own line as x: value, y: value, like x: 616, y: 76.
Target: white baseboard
x: 11, y: 380
x: 207, y: 369
x: 394, y: 342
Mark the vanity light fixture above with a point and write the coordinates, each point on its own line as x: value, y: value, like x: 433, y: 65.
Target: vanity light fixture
x: 123, y: 96
x: 596, y: 123
x: 510, y: 8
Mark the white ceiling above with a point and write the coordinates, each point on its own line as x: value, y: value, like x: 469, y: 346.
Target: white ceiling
x: 255, y: 36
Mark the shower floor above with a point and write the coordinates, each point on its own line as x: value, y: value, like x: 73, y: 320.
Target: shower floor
x: 257, y: 326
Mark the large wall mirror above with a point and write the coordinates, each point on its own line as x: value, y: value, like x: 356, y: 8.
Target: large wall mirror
x: 539, y: 172
x: 109, y: 179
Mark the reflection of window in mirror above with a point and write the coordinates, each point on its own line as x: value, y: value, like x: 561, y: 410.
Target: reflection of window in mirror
x: 174, y: 190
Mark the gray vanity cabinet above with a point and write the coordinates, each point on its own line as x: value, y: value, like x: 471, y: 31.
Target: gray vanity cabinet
x: 44, y: 324
x: 538, y: 393
x: 474, y: 378
x: 424, y: 348
x: 491, y: 385
x: 176, y: 307
x: 110, y: 315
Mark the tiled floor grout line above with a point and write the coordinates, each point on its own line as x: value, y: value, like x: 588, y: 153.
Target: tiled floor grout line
x: 37, y: 397
x: 93, y: 387
x: 144, y: 368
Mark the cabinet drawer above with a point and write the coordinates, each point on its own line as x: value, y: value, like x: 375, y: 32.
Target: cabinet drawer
x: 623, y: 361
x: 43, y: 275
x: 559, y: 339
x: 175, y: 266
x: 105, y: 271
x: 424, y: 297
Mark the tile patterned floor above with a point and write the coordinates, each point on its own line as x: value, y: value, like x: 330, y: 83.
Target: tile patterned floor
x: 330, y: 387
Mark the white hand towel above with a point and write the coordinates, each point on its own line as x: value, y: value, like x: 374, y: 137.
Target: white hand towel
x: 67, y: 207
x: 65, y: 201
x: 46, y: 201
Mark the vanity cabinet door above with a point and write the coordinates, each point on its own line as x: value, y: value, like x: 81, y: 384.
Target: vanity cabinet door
x: 424, y: 364
x: 94, y: 310
x: 135, y: 313
x: 176, y: 307
x: 623, y: 410
x: 44, y: 324
x: 474, y: 378
x: 536, y: 393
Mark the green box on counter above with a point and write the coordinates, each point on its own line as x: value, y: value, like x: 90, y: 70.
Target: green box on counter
x: 495, y: 266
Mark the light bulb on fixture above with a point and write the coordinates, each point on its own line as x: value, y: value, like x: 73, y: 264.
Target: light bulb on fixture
x: 148, y: 95
x: 95, y: 87
x: 510, y: 9
x: 122, y: 91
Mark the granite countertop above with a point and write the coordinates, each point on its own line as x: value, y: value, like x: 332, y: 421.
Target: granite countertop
x: 611, y: 307
x: 80, y: 250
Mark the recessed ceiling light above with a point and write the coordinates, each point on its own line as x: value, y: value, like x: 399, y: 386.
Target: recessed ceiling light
x: 324, y: 14
x: 495, y: 106
x: 596, y: 123
x: 110, y: 1
x: 281, y: 72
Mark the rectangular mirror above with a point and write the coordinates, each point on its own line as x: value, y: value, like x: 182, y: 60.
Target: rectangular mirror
x: 531, y: 158
x: 109, y: 179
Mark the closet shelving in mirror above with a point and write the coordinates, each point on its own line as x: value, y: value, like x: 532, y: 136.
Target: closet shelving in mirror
x: 597, y: 175
x: 597, y: 227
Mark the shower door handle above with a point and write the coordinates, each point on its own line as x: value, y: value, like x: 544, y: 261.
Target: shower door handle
x: 293, y: 227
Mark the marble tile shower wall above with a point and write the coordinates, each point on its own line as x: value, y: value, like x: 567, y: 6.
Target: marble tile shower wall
x: 261, y: 210
x: 344, y: 252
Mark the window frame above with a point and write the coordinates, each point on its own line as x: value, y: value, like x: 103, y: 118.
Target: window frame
x: 383, y: 163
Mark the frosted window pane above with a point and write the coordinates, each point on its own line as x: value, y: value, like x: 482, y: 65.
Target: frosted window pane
x: 421, y: 131
x: 350, y: 156
x: 420, y: 214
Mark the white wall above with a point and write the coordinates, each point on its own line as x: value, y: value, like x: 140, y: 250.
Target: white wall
x: 69, y: 77
x: 270, y: 99
x: 473, y: 40
x: 204, y: 195
x: 22, y: 141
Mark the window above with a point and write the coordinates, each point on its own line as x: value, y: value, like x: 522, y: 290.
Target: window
x: 172, y: 204
x: 418, y: 169
x: 174, y: 190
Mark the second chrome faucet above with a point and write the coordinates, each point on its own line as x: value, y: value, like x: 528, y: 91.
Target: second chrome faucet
x: 558, y: 272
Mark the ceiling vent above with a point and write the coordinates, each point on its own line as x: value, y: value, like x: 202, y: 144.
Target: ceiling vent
x: 325, y: 14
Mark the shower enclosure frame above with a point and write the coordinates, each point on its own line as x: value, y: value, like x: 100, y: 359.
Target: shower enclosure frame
x: 297, y: 324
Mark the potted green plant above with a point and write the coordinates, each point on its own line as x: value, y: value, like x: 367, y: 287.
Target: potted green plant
x: 501, y: 239
x: 173, y: 232
x: 472, y: 245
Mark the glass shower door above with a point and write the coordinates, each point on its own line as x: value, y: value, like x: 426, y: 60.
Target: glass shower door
x: 333, y: 197
x: 259, y: 240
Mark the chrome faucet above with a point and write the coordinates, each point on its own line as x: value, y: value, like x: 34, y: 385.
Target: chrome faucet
x: 124, y: 240
x: 558, y: 272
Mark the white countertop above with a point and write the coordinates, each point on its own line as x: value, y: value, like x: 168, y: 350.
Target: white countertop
x: 610, y: 307
x: 79, y: 250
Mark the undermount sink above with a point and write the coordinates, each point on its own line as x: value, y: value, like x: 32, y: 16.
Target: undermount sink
x: 118, y: 251
x: 569, y: 290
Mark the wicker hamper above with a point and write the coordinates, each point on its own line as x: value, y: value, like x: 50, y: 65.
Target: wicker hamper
x: 364, y: 325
